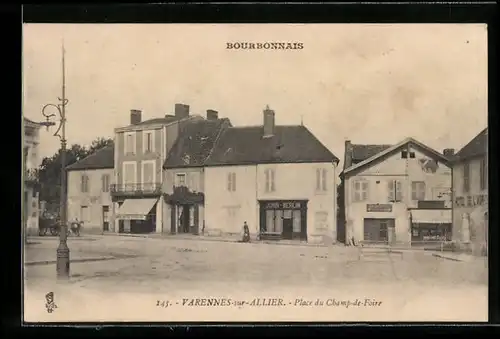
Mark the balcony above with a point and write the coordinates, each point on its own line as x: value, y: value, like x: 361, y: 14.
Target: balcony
x: 135, y: 190
x: 182, y: 195
x: 31, y: 177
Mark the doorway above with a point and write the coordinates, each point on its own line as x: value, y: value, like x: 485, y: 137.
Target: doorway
x: 287, y: 227
x: 105, y: 218
x: 379, y: 230
x: 184, y: 219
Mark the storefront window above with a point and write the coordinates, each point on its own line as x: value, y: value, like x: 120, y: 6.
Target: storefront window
x: 296, y: 221
x: 278, y: 221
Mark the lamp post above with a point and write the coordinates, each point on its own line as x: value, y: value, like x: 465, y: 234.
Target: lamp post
x: 62, y: 265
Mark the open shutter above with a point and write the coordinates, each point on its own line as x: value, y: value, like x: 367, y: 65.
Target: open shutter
x: 324, y: 179
x: 390, y: 188
x: 229, y: 182
x: 272, y: 181
x: 399, y: 192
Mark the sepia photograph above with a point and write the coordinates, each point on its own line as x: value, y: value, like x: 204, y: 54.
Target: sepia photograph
x: 254, y: 173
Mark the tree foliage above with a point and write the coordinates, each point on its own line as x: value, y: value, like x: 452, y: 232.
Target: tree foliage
x: 49, y: 172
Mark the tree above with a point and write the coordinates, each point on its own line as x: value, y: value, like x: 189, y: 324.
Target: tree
x: 49, y: 172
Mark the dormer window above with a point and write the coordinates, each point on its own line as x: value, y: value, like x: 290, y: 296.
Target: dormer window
x: 404, y: 154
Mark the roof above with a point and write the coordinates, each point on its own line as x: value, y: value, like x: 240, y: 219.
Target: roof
x: 195, y: 143
x: 165, y: 120
x: 363, y: 152
x: 289, y: 144
x: 100, y: 159
x: 476, y: 147
x: 388, y: 151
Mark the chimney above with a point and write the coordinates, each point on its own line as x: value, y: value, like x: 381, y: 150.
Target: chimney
x: 268, y: 122
x: 212, y: 115
x: 449, y: 152
x: 135, y: 116
x: 181, y: 111
x: 348, y: 154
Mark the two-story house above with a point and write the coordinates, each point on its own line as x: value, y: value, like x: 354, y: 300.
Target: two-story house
x: 278, y: 179
x: 396, y: 193
x: 470, y: 194
x: 183, y: 185
x: 140, y: 151
x: 31, y: 162
x: 89, y: 198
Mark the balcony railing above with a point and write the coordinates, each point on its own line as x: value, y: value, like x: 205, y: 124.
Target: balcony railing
x: 135, y: 189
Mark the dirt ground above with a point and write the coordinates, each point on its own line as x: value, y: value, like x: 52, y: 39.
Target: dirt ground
x: 314, y: 283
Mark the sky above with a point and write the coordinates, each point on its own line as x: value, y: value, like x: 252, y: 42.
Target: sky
x: 371, y: 84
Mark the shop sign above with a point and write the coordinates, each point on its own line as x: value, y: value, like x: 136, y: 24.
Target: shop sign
x: 285, y: 205
x: 379, y: 208
x: 471, y: 201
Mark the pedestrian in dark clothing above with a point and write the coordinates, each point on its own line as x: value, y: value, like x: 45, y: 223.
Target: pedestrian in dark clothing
x: 246, y: 232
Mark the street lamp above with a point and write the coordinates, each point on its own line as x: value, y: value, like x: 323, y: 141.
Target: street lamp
x: 62, y: 265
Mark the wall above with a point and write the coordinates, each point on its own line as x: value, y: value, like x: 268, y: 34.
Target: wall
x: 31, y: 140
x: 292, y: 182
x: 437, y: 181
x: 95, y: 199
x: 471, y: 208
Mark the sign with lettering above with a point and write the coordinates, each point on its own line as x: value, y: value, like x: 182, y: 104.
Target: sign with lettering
x: 379, y: 208
x: 471, y: 201
x: 285, y: 205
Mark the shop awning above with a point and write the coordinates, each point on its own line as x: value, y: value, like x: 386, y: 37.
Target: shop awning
x: 431, y: 216
x: 135, y: 209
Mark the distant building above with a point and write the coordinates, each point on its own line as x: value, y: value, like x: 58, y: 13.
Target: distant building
x: 89, y: 197
x: 184, y: 175
x: 395, y: 193
x: 470, y: 194
x: 140, y: 151
x: 31, y: 162
x: 279, y: 179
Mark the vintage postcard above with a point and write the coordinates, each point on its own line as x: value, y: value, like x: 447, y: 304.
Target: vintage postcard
x: 255, y: 172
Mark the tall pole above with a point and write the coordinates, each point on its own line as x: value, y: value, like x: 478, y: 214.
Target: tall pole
x: 62, y: 263
x: 63, y: 250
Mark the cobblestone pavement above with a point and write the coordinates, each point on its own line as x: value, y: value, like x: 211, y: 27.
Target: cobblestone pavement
x: 412, y: 285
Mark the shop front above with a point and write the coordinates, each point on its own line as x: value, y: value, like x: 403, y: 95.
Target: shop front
x: 137, y: 216
x: 283, y: 219
x: 430, y: 226
x: 185, y: 209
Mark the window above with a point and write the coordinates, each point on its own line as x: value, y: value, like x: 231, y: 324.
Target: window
x: 270, y: 186
x: 130, y: 143
x: 404, y: 154
x: 231, y: 182
x: 181, y: 179
x: 148, y: 141
x: 412, y: 155
x: 84, y: 214
x: 360, y: 190
x: 130, y: 171
x: 321, y: 184
x: 148, y: 174
x: 483, y: 170
x: 418, y: 190
x: 466, y: 177
x: 395, y: 191
x: 84, y: 185
x: 26, y: 151
x: 105, y: 182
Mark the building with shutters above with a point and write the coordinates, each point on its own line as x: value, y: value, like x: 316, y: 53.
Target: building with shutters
x: 184, y: 175
x: 89, y: 197
x: 140, y: 151
x: 31, y: 162
x: 278, y: 179
x: 470, y: 194
x: 395, y: 193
